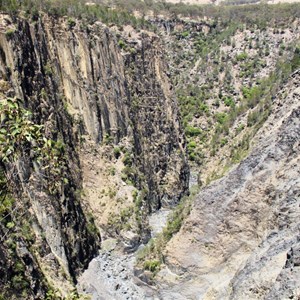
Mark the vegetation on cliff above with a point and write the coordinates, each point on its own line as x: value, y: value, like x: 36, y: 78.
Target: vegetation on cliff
x: 226, y: 73
x: 226, y: 65
x: 121, y: 12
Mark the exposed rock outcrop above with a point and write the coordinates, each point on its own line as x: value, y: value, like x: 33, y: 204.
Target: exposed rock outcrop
x: 241, y: 239
x: 159, y: 143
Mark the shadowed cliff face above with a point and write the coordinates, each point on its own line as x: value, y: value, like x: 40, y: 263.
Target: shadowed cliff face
x: 78, y: 82
x: 47, y: 200
x: 159, y: 143
x: 241, y: 240
x: 111, y: 95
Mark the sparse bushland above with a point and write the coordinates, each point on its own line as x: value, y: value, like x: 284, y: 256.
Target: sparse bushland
x: 119, y: 12
x: 74, y: 9
x: 226, y: 73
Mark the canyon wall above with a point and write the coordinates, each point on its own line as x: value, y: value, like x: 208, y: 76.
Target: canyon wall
x: 79, y: 84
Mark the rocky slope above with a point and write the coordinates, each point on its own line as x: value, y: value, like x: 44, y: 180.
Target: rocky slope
x: 86, y: 92
x: 241, y: 240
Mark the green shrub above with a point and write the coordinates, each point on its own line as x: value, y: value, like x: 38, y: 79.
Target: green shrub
x: 91, y: 226
x: 221, y: 118
x: 112, y: 171
x: 71, y: 23
x: 295, y: 62
x: 185, y: 34
x: 127, y: 159
x: 122, y: 44
x: 192, y: 145
x: 128, y: 175
x: 19, y: 283
x: 204, y: 108
x: 240, y: 128
x: 242, y: 56
x: 9, y: 33
x: 48, y: 69
x: 252, y: 118
x: 117, y: 152
x: 19, y: 267
x: 192, y: 131
x: 152, y: 265
x: 108, y: 139
x: 229, y: 102
x: 223, y: 142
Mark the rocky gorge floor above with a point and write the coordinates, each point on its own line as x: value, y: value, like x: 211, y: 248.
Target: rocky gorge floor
x: 111, y: 275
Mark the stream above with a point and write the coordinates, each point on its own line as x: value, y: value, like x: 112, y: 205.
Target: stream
x: 110, y: 276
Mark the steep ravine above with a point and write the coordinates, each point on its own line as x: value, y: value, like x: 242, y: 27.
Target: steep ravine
x: 111, y: 275
x: 112, y: 152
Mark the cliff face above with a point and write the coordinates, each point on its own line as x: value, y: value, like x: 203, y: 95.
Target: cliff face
x: 45, y: 194
x: 159, y: 143
x: 241, y: 238
x: 115, y: 95
x: 76, y: 81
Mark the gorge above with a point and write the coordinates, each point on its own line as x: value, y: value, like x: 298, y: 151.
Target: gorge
x: 149, y: 157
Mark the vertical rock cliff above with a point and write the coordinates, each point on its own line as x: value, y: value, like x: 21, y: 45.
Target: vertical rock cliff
x: 76, y: 81
x: 45, y: 194
x: 159, y: 144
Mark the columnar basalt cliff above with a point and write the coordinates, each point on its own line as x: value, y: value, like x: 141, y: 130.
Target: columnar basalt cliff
x: 77, y: 81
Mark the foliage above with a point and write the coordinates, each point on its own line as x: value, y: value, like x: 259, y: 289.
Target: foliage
x: 10, y: 32
x: 17, y: 131
x: 75, y: 9
x: 242, y: 56
x: 245, y: 94
x: 152, y: 265
x: 229, y: 102
x: 118, y: 222
x: 122, y: 13
x: 192, y: 131
x: 122, y: 44
x: 221, y: 118
x: 117, y: 152
x: 20, y: 137
x: 71, y: 23
x: 73, y: 295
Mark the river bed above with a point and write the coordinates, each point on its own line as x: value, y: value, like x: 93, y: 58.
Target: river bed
x: 110, y: 276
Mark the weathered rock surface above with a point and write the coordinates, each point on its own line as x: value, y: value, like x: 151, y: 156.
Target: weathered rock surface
x: 158, y: 138
x: 110, y: 276
x: 241, y: 240
x: 78, y: 81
